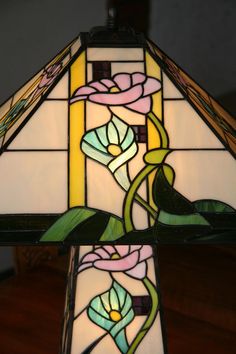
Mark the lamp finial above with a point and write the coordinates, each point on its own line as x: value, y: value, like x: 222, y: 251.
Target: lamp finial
x: 111, y: 15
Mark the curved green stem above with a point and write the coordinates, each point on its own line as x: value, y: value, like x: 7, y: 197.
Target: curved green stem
x: 148, y: 323
x: 161, y: 130
x: 145, y: 205
x: 131, y: 194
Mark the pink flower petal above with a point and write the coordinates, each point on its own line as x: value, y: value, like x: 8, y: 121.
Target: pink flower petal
x: 102, y: 253
x: 109, y: 249
x: 84, y: 90
x: 108, y: 83
x: 145, y: 252
x: 122, y: 250
x: 118, y: 265
x: 85, y: 266
x: 138, y: 272
x: 123, y: 81
x: 138, y: 78
x: 117, y: 98
x: 135, y: 247
x: 90, y: 257
x: 79, y: 98
x: 150, y: 86
x: 98, y: 86
x: 143, y: 105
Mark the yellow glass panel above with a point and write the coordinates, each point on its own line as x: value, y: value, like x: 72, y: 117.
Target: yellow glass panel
x: 77, y: 158
x: 154, y: 70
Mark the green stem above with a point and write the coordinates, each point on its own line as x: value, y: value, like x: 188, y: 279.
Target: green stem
x: 161, y: 130
x: 131, y: 194
x: 148, y: 323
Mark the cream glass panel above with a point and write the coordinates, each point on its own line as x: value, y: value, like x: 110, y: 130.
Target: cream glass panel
x: 153, y: 341
x: 46, y: 129
x: 186, y: 129
x: 90, y: 283
x: 89, y: 72
x: 19, y: 121
x: 140, y: 217
x: 61, y: 90
x: 169, y: 89
x: 205, y: 175
x: 33, y: 182
x: 84, y: 335
x: 97, y: 115
x: 128, y: 116
x: 126, y: 68
x: 114, y: 54
x: 103, y: 192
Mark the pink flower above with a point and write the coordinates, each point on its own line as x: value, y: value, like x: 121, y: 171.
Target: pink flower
x: 49, y: 75
x: 128, y: 259
x: 130, y: 90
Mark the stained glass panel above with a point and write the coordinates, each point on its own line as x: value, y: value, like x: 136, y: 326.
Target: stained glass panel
x: 116, y: 301
x: 213, y: 114
x: 24, y: 100
x: 135, y: 152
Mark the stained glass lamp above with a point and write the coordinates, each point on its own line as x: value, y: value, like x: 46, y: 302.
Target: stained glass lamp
x: 112, y: 148
x: 112, y: 141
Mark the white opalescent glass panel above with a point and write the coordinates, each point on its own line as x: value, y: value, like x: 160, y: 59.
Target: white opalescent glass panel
x: 140, y: 217
x: 96, y: 115
x: 106, y: 300
x: 46, y: 129
x: 89, y: 72
x: 114, y: 54
x: 153, y: 339
x: 85, y: 290
x: 103, y: 192
x: 61, y: 89
x: 128, y: 116
x: 33, y: 182
x: 169, y: 89
x: 185, y: 127
x: 126, y: 68
x: 19, y: 121
x: 205, y: 175
x: 84, y: 334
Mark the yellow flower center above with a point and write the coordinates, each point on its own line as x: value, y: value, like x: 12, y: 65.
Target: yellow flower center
x: 115, y: 316
x: 114, y: 150
x: 115, y: 256
x: 114, y: 89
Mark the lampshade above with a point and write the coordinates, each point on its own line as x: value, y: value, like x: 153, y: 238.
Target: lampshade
x: 112, y: 141
x: 113, y: 301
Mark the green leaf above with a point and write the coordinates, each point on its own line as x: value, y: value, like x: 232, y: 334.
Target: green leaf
x: 167, y: 198
x: 113, y: 231
x: 156, y: 156
x: 66, y: 223
x: 213, y: 206
x: 174, y: 220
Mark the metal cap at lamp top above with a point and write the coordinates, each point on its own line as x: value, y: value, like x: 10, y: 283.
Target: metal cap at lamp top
x: 112, y: 142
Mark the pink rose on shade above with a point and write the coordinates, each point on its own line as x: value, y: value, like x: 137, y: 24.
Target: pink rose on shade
x: 130, y: 90
x: 49, y: 75
x: 128, y: 259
